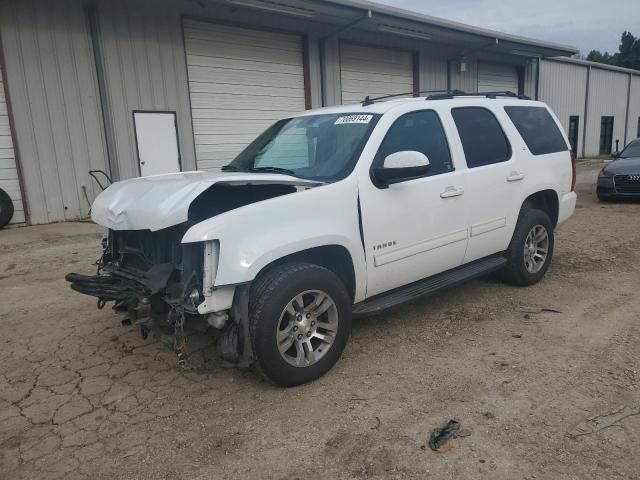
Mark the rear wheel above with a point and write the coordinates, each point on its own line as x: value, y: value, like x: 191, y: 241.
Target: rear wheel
x: 531, y: 248
x: 6, y: 208
x: 300, y: 318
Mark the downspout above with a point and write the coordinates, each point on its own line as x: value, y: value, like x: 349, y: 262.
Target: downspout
x: 626, y: 117
x: 538, y: 67
x: 322, y: 43
x: 586, y: 110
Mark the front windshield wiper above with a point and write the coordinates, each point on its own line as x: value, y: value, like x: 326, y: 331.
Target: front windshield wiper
x: 230, y: 168
x: 284, y: 171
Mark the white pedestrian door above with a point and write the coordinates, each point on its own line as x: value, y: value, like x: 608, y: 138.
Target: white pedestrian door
x: 241, y: 82
x: 374, y: 72
x: 495, y: 77
x: 157, y: 142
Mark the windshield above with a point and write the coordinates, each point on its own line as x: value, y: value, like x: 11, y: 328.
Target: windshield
x: 632, y: 150
x: 317, y: 147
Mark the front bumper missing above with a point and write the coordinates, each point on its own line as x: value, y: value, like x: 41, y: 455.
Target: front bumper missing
x: 120, y: 285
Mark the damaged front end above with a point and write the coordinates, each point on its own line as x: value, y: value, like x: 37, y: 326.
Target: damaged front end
x: 154, y: 280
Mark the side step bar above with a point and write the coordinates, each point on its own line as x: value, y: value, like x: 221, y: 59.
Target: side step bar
x: 430, y: 285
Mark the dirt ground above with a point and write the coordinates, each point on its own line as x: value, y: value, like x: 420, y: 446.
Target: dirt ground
x: 546, y: 395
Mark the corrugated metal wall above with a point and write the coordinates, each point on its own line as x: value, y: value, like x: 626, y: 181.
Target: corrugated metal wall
x: 142, y: 51
x: 563, y: 86
x: 54, y: 98
x: 633, y: 128
x: 8, y: 171
x: 607, y: 97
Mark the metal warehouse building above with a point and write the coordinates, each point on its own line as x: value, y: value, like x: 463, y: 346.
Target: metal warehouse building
x: 135, y: 87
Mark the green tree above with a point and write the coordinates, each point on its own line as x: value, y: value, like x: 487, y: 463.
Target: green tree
x: 628, y: 54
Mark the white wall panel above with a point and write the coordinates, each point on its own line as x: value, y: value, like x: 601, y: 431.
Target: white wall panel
x: 8, y: 171
x: 55, y: 104
x: 607, y: 97
x: 563, y: 86
x: 633, y: 128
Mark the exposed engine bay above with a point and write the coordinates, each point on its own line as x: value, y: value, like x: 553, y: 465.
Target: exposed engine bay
x: 156, y: 281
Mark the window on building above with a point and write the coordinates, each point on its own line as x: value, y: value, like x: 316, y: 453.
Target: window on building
x: 483, y: 140
x: 574, y: 127
x: 421, y: 132
x: 538, y: 129
x: 606, y: 135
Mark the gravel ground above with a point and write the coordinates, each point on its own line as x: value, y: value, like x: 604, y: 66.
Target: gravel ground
x: 545, y: 395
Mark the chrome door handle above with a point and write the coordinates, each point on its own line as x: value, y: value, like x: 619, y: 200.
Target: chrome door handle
x: 450, y: 192
x: 515, y: 176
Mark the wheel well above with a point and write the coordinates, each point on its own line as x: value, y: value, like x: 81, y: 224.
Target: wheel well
x: 545, y: 200
x: 332, y: 257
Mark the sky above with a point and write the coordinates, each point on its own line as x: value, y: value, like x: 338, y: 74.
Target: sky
x: 585, y: 24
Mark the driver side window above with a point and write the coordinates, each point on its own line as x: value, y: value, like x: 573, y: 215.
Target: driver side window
x: 421, y: 132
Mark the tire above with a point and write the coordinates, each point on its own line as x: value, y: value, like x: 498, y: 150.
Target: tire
x: 520, y: 269
x: 6, y: 208
x: 274, y: 317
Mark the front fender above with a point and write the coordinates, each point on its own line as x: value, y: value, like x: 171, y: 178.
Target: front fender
x: 253, y: 236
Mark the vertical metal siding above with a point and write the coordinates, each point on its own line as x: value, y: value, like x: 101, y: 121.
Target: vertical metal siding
x: 433, y: 68
x: 634, y: 109
x: 607, y: 97
x: 8, y: 171
x: 51, y: 78
x: 563, y: 86
x: 144, y: 66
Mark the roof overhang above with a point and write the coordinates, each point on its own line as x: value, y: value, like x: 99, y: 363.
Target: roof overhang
x: 455, y: 33
x: 378, y: 19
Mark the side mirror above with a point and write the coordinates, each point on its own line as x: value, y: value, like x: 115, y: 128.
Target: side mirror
x: 615, y: 155
x: 401, y: 166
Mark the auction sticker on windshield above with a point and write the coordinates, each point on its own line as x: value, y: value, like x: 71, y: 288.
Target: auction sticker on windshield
x: 353, y: 119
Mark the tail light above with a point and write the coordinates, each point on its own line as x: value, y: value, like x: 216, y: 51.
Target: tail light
x: 573, y: 170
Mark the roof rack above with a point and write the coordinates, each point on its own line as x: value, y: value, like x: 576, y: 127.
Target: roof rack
x: 370, y: 101
x: 502, y: 93
x: 444, y: 95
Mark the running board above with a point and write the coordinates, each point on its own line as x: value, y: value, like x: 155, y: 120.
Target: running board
x: 428, y: 286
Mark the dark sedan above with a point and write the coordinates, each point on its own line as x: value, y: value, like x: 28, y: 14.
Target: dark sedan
x: 621, y: 178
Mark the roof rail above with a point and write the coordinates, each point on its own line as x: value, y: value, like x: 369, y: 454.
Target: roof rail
x: 502, y: 93
x: 370, y: 101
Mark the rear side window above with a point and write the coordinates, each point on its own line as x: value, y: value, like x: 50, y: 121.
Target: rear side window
x: 483, y: 140
x: 538, y: 129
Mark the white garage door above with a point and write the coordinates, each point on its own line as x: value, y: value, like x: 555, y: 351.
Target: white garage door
x: 241, y: 81
x: 374, y: 72
x: 8, y: 173
x: 493, y: 77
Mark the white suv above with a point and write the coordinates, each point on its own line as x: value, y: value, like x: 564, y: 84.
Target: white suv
x: 334, y: 213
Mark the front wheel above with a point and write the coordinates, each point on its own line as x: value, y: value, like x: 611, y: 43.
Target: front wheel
x: 300, y: 318
x: 531, y: 248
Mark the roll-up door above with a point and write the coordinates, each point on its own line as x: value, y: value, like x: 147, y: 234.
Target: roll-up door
x: 241, y: 81
x: 374, y: 72
x: 494, y: 77
x: 8, y: 172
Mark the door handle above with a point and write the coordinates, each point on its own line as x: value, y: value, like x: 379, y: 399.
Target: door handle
x: 515, y: 176
x: 450, y: 192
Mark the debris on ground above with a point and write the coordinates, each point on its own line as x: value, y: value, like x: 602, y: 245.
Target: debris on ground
x: 537, y: 310
x: 440, y: 438
x: 598, y: 423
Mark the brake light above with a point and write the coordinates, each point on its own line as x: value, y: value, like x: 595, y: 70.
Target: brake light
x: 573, y: 170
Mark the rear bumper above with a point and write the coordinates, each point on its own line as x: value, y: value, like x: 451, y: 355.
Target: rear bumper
x: 567, y: 206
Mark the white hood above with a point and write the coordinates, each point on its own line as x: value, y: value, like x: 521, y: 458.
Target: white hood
x: 161, y: 201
